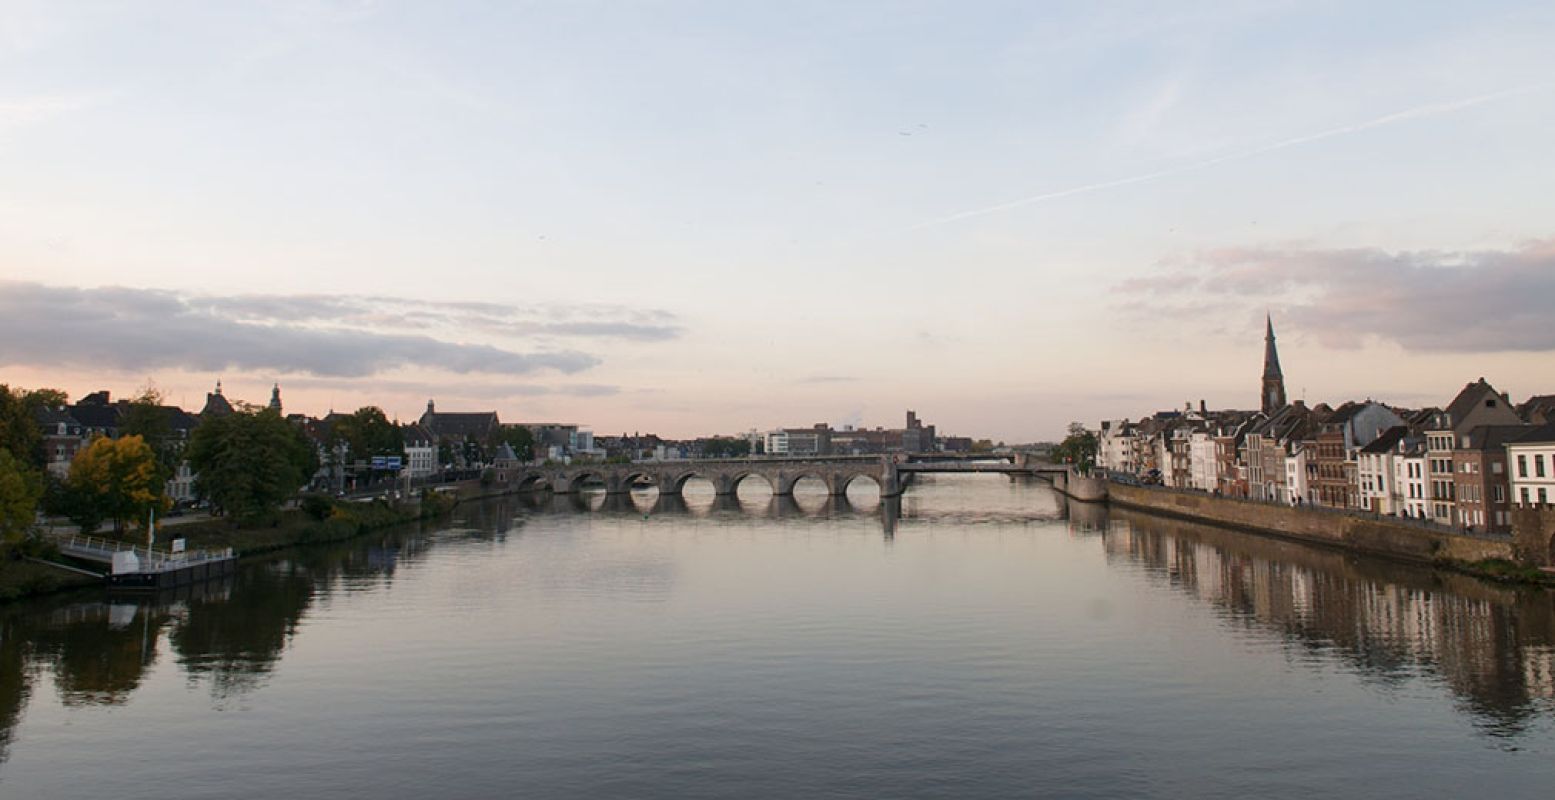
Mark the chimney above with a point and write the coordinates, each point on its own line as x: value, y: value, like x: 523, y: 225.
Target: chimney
x: 1203, y: 409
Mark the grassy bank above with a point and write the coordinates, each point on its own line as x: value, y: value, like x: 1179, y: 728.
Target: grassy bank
x: 19, y: 579
x: 336, y: 522
x: 293, y: 527
x: 1504, y: 571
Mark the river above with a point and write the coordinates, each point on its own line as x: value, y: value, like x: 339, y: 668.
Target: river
x: 983, y: 638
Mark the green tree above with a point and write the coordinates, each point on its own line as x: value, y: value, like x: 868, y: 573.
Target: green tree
x: 1078, y: 448
x: 50, y: 398
x: 725, y: 447
x: 145, y: 416
x: 249, y: 462
x: 62, y: 498
x: 19, y: 434
x: 368, y: 432
x: 20, y: 490
x: 120, y: 478
x: 520, y: 438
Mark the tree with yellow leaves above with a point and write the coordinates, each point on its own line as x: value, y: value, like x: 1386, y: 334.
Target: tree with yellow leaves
x: 20, y: 490
x: 120, y: 478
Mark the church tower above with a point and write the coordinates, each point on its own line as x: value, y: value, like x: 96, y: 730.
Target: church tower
x: 1273, y: 379
x: 275, y: 398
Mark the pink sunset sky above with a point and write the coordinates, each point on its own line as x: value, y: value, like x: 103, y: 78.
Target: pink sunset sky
x: 694, y: 218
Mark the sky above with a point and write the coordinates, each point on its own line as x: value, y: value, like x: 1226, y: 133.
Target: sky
x: 693, y: 218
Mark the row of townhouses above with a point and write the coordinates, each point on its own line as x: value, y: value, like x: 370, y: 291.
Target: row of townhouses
x: 1465, y: 465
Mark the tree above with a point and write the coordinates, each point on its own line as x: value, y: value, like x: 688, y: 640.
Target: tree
x: 145, y: 417
x: 45, y: 398
x: 119, y: 477
x: 368, y: 432
x: 20, y: 490
x: 520, y: 438
x: 19, y: 434
x: 249, y: 462
x: 725, y: 447
x: 1078, y: 448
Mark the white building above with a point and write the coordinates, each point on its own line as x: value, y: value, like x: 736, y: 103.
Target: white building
x: 180, y: 487
x: 1114, y: 447
x: 1375, y: 477
x: 1410, y: 483
x: 1532, y: 462
x: 1296, y: 486
x: 1201, y: 461
x: 420, y: 451
x: 777, y: 443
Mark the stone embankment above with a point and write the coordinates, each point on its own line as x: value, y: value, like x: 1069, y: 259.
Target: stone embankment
x: 1375, y: 535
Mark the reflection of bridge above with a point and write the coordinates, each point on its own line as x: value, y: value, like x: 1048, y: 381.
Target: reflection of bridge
x: 892, y: 474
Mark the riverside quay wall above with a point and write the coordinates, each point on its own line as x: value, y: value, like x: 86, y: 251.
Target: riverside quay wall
x: 1368, y: 534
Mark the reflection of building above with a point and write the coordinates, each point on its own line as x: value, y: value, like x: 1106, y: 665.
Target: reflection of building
x: 1494, y: 647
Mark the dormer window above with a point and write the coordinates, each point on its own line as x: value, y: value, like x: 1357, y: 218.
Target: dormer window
x: 1490, y: 403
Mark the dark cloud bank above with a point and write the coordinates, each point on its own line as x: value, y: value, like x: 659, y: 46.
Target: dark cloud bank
x: 1473, y: 302
x: 346, y: 337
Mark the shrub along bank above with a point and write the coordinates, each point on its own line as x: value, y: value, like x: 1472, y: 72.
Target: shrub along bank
x: 316, y: 521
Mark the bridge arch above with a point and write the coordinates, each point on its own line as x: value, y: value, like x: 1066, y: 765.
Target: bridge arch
x: 786, y: 481
x: 846, y: 479
x: 630, y: 477
x: 736, y: 478
x: 574, y: 483
x: 525, y: 481
x: 675, y: 482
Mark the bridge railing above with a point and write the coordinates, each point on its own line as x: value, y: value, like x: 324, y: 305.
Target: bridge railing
x: 87, y: 544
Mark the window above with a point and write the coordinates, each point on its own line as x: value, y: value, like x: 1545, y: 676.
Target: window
x: 1499, y: 494
x: 1525, y: 494
x: 1496, y: 467
x: 1538, y: 464
x: 1522, y: 466
x: 1542, y: 498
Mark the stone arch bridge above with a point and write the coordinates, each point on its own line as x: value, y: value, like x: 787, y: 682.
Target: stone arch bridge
x: 893, y: 474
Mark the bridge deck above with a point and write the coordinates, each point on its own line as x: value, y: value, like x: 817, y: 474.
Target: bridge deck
x: 150, y: 561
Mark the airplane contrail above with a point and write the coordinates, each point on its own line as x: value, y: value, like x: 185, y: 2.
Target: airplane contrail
x: 1417, y: 112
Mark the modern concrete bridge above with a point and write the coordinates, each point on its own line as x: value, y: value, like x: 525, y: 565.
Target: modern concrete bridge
x: 891, y: 473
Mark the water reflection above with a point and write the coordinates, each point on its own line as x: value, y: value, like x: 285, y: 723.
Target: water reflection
x: 1493, y: 646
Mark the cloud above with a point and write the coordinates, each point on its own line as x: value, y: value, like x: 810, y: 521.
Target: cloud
x: 141, y: 329
x: 1472, y: 302
x: 588, y: 321
x: 1418, y: 112
x: 15, y: 113
x: 486, y: 391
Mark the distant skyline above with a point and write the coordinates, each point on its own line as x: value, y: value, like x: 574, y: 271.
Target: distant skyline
x: 697, y: 218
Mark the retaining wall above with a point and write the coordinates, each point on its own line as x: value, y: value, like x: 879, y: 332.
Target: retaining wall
x: 1089, y: 490
x: 1378, y: 536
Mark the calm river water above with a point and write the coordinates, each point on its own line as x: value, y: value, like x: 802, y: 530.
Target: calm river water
x: 984, y: 639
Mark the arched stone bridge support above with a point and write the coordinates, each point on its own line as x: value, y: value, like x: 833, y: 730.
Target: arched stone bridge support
x: 670, y: 477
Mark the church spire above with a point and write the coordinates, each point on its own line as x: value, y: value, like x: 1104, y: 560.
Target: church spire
x: 1273, y: 379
